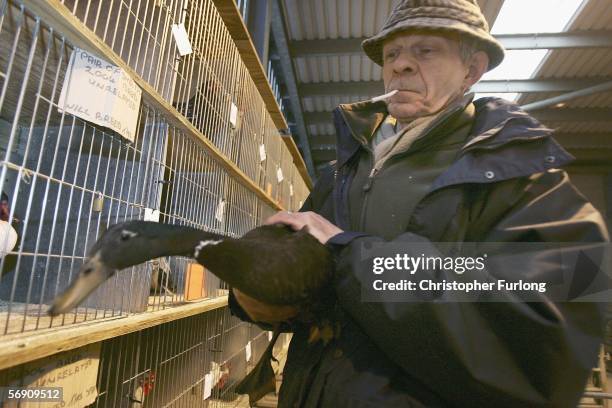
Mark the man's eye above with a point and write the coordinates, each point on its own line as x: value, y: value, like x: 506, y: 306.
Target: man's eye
x: 390, y: 55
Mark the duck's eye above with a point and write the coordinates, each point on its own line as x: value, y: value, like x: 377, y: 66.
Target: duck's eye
x: 125, y: 235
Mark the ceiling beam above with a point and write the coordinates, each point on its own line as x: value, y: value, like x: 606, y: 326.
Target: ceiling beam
x: 572, y: 141
x: 535, y: 41
x: 372, y: 88
x: 280, y: 39
x: 585, y: 140
x: 544, y: 115
x: 574, y: 115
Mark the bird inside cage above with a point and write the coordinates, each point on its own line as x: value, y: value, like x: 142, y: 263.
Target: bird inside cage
x: 9, y: 238
x: 161, y: 278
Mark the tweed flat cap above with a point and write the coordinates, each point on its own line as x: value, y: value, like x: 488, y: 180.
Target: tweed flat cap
x: 462, y: 17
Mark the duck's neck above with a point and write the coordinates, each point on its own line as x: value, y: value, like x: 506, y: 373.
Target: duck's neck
x: 184, y: 241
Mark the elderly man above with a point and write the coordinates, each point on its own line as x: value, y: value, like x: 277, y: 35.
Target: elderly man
x: 426, y: 166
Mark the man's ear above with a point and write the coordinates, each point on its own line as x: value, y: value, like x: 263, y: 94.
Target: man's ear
x: 477, y: 66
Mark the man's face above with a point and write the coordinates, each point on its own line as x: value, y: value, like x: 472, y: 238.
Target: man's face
x: 427, y: 70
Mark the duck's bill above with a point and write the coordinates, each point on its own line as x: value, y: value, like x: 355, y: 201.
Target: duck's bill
x: 92, y: 274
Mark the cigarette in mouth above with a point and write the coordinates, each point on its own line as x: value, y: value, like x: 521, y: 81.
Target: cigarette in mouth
x: 385, y: 96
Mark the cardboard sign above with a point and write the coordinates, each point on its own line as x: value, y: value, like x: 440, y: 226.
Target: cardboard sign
x: 75, y: 371
x: 101, y: 93
x: 195, y: 281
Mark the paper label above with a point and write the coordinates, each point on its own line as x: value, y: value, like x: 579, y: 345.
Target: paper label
x: 248, y: 351
x: 151, y: 214
x: 101, y: 93
x: 207, y: 386
x: 75, y: 371
x: 219, y: 214
x: 269, y: 336
x: 233, y: 115
x: 262, y: 152
x: 182, y: 39
x: 300, y: 204
x: 279, y: 174
x: 291, y: 190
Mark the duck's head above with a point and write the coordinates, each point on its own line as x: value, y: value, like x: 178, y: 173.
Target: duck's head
x: 121, y: 246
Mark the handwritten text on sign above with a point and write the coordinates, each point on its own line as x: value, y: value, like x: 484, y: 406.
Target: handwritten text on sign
x: 75, y: 371
x: 100, y: 92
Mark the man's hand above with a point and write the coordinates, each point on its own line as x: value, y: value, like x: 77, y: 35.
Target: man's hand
x: 262, y: 312
x: 316, y: 225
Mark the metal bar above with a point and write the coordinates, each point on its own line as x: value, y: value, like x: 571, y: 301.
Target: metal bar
x: 601, y: 87
x: 556, y: 115
x: 280, y: 39
x: 367, y: 89
x: 529, y: 41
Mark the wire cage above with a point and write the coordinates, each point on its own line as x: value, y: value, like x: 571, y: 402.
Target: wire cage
x: 168, y: 365
x: 205, y: 153
x: 67, y: 179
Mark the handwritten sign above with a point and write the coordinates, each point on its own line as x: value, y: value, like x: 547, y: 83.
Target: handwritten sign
x: 101, y: 93
x: 75, y: 371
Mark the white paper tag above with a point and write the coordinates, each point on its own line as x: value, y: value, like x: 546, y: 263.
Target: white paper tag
x: 101, y: 93
x: 151, y: 215
x: 248, y: 351
x: 262, y: 152
x: 300, y: 204
x: 291, y: 190
x: 269, y: 336
x: 182, y: 39
x: 233, y: 115
x: 220, y: 213
x: 279, y: 174
x: 207, y: 386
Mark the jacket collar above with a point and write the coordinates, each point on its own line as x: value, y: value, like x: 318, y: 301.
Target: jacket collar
x: 498, y: 125
x: 356, y: 123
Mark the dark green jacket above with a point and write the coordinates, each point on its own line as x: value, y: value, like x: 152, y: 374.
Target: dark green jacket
x: 486, y: 173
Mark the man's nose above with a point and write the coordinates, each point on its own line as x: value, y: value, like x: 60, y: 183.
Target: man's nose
x: 404, y: 64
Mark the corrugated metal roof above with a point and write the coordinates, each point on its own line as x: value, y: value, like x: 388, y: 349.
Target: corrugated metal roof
x: 580, y: 63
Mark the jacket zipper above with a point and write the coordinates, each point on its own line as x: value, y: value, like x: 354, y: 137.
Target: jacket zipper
x: 370, y: 181
x: 366, y: 190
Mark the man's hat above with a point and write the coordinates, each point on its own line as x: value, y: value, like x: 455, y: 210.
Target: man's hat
x: 461, y: 17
